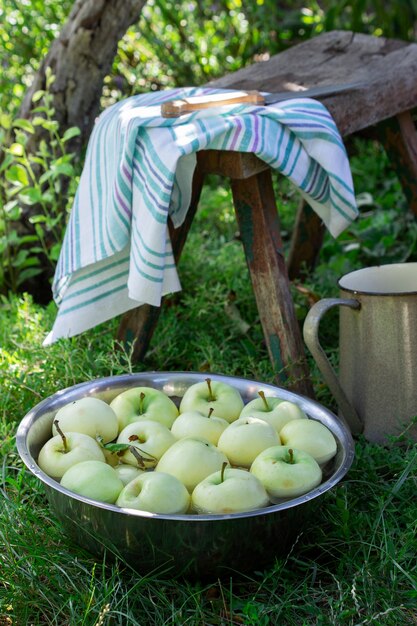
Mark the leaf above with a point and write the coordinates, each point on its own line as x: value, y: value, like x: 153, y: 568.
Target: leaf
x: 5, y: 121
x: 31, y: 195
x: 37, y: 219
x: 65, y: 158
x: 28, y: 273
x: 50, y: 125
x: 17, y: 175
x: 39, y: 231
x: 20, y: 258
x: 55, y: 251
x: 13, y: 238
x: 21, y: 137
x: 45, y: 176
x: 41, y: 109
x: 6, y: 162
x: 70, y: 133
x: 13, y: 210
x: 38, y: 95
x: 34, y: 159
x: 29, y: 239
x: 38, y: 120
x: 43, y: 148
x: 62, y: 169
x: 24, y: 125
x: 50, y: 78
x: 116, y: 447
x: 16, y: 149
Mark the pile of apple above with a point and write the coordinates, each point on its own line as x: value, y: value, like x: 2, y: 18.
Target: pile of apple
x: 212, y: 455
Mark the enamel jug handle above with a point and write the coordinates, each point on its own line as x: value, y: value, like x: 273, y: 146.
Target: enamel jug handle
x: 311, y: 338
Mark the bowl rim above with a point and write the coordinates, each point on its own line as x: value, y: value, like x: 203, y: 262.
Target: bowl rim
x: 112, y: 382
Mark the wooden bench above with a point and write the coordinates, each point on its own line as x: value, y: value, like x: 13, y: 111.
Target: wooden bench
x: 382, y: 109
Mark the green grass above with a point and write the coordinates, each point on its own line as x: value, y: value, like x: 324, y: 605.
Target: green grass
x: 353, y: 564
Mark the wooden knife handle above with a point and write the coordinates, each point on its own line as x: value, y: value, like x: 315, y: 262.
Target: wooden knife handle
x: 176, y: 108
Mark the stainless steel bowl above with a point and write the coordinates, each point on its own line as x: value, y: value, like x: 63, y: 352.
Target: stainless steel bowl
x: 196, y: 546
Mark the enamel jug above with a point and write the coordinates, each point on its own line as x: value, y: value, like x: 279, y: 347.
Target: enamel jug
x: 376, y: 389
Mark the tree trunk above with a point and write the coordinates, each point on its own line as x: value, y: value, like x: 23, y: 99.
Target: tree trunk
x: 80, y: 58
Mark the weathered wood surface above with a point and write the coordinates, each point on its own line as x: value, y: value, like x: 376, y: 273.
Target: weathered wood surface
x: 235, y: 165
x: 387, y: 69
x: 257, y: 217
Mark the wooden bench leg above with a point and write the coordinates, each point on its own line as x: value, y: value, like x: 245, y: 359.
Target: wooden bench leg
x: 399, y: 137
x: 258, y: 221
x: 138, y: 325
x: 306, y: 241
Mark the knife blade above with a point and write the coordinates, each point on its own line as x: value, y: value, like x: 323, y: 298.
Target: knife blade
x: 178, y: 107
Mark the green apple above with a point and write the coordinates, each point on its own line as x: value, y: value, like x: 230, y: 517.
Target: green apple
x: 150, y: 439
x: 156, y: 492
x: 286, y: 472
x: 93, y: 479
x: 144, y: 403
x: 230, y: 490
x: 275, y: 411
x: 311, y: 436
x: 90, y: 416
x: 112, y: 458
x: 191, y: 460
x: 245, y: 438
x: 211, y: 394
x: 195, y: 424
x: 59, y: 453
x: 126, y: 473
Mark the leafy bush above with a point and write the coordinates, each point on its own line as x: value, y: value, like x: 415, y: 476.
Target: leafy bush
x: 185, y: 43
x: 36, y: 188
x: 27, y: 29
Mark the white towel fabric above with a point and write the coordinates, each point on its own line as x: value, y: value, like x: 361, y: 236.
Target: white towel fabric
x: 116, y: 253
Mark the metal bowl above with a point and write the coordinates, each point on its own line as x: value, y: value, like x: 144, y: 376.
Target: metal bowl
x: 195, y: 546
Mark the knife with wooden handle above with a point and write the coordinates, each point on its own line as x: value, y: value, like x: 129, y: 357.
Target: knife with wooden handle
x: 176, y: 108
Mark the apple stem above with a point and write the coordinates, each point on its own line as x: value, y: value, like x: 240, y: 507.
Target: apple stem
x: 225, y: 464
x: 262, y: 394
x: 136, y: 438
x: 211, y: 411
x: 141, y: 459
x: 137, y: 456
x: 64, y: 439
x: 141, y: 399
x: 291, y: 456
x: 211, y: 395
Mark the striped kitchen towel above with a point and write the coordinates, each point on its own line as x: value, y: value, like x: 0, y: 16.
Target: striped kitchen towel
x: 116, y: 253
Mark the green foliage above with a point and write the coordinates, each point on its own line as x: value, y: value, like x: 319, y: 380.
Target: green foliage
x: 184, y: 43
x: 27, y: 28
x: 386, y: 231
x: 35, y: 181
x: 390, y: 19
